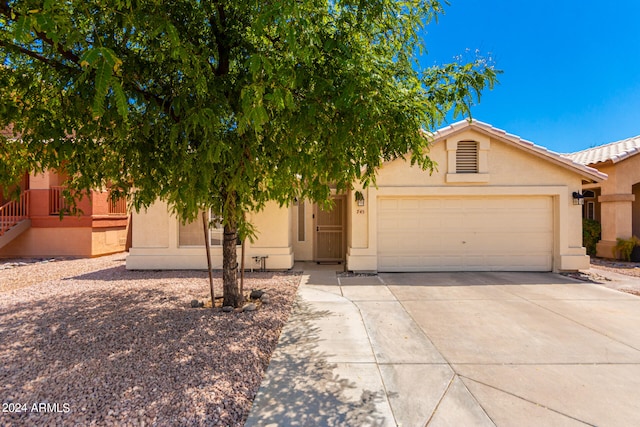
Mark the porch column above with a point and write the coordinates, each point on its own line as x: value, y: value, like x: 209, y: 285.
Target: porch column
x: 616, y: 218
x: 39, y: 184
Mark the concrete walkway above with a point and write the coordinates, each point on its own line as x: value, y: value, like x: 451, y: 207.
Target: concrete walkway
x: 458, y: 349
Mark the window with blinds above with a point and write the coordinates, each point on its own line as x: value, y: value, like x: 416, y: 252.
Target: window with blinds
x: 467, y: 157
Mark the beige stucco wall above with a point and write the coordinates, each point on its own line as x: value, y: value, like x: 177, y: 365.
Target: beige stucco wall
x: 108, y: 240
x: 505, y: 170
x: 619, y: 203
x: 635, y: 211
x: 156, y: 241
x: 150, y: 228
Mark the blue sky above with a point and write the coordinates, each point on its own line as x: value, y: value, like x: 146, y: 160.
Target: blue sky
x: 571, y: 68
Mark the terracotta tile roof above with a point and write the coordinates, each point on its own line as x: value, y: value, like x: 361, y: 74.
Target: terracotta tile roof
x: 614, y: 152
x: 515, y: 140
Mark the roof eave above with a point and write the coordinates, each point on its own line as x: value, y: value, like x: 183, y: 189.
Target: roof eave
x: 585, y: 171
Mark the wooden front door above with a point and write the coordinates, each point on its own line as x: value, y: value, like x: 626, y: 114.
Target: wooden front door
x: 330, y: 236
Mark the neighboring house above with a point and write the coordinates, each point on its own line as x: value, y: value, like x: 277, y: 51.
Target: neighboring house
x: 495, y: 202
x: 31, y: 226
x: 615, y: 203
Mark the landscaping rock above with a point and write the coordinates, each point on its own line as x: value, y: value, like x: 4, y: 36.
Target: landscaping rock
x: 227, y: 308
x: 250, y: 307
x: 196, y: 304
x: 57, y: 356
x: 256, y: 294
x: 265, y: 299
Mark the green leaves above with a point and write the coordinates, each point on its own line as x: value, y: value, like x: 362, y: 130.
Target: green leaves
x: 120, y: 98
x: 22, y: 29
x: 201, y: 102
x: 103, y: 63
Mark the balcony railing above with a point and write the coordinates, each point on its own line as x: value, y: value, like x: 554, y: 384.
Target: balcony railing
x: 57, y: 202
x: 118, y: 206
x: 13, y: 212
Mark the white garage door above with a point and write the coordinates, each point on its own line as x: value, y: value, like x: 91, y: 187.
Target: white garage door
x: 465, y: 234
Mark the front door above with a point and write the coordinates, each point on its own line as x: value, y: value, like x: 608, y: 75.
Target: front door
x: 329, y: 238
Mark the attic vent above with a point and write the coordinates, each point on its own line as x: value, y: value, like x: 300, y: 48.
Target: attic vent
x: 467, y: 157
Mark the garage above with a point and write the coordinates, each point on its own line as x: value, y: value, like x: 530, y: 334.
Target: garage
x: 492, y: 233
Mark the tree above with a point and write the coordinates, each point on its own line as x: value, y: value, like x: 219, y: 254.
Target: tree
x: 223, y: 105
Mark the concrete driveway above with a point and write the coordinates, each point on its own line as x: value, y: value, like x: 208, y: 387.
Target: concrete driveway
x: 455, y: 349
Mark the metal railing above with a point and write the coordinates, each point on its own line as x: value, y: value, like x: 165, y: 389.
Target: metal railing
x: 13, y: 212
x: 57, y: 202
x: 118, y: 206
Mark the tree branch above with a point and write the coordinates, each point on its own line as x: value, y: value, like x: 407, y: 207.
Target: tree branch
x: 11, y: 14
x: 222, y: 42
x: 54, y: 64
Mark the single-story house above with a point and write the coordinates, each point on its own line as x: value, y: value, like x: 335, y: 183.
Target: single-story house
x: 615, y: 203
x: 495, y: 203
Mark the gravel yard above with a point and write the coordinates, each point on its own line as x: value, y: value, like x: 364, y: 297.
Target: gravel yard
x: 620, y: 267
x: 86, y: 342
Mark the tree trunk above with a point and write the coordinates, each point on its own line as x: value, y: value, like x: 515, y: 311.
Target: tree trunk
x: 231, y: 292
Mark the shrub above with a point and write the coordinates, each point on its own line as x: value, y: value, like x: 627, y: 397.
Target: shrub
x: 625, y: 247
x: 590, y: 235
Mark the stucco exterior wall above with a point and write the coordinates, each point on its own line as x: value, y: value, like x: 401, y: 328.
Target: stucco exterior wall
x: 156, y: 241
x: 619, y: 203
x: 51, y: 242
x: 507, y: 171
x: 108, y: 240
x: 66, y: 241
x: 635, y: 211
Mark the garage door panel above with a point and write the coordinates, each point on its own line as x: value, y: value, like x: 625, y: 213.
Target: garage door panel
x: 474, y: 234
x: 410, y: 263
x: 409, y: 204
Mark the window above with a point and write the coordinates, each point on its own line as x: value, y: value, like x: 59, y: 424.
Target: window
x: 190, y: 234
x: 467, y: 157
x: 301, y: 221
x: 591, y: 210
x: 216, y: 231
